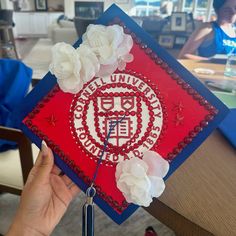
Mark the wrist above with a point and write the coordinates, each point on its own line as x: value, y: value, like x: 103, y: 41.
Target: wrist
x: 24, y: 230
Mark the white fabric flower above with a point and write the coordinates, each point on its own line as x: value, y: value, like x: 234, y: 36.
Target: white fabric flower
x: 73, y: 67
x: 141, y: 180
x: 111, y: 46
x: 66, y: 67
x: 103, y: 50
x: 89, y: 62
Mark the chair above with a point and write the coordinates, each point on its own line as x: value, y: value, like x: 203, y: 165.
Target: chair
x: 14, y: 166
x: 6, y: 34
x: 64, y: 31
x: 81, y: 24
x: 14, y: 84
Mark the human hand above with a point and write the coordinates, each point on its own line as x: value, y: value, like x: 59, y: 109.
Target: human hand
x: 44, y: 199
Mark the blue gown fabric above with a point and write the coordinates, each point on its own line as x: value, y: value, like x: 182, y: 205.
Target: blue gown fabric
x: 15, y: 79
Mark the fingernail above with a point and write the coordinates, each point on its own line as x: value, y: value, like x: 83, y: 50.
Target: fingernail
x: 44, y: 148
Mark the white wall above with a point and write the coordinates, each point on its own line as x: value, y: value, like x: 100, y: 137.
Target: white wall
x: 70, y: 10
x: 6, y: 4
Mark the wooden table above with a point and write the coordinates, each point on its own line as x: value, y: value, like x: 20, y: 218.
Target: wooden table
x: 203, y: 190
x: 200, y: 197
x: 218, y: 69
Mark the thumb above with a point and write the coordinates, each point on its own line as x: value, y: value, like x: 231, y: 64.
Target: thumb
x: 44, y: 163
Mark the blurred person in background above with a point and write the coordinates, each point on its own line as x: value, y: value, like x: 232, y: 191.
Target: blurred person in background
x: 217, y: 37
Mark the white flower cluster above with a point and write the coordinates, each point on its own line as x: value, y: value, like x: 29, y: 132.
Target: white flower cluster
x: 103, y: 50
x: 141, y: 180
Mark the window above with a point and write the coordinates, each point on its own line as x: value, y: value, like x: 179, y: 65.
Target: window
x: 88, y: 9
x: 153, y: 7
x: 146, y: 8
x: 201, y: 10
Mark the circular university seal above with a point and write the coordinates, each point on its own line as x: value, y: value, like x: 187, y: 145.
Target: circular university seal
x: 105, y: 100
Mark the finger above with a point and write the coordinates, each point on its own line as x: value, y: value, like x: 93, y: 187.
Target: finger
x: 56, y: 170
x: 60, y: 190
x: 61, y: 173
x: 43, y: 152
x: 38, y: 160
x: 66, y: 180
x: 44, y: 167
x: 74, y: 190
x: 33, y: 171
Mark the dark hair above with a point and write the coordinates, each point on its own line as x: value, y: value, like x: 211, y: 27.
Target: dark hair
x: 217, y: 4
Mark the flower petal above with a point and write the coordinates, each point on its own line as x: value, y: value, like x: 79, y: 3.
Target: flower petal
x: 157, y: 166
x: 157, y: 186
x: 133, y: 182
x: 106, y: 70
x: 109, y: 44
x: 138, y: 171
x: 89, y: 62
x: 128, y: 57
x: 70, y: 87
x: 121, y: 65
x: 119, y: 169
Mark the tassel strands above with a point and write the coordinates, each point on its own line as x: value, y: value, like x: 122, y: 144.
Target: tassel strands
x: 88, y: 213
x: 88, y: 208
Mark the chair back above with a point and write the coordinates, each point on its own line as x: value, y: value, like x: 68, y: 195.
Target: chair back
x: 81, y: 24
x: 15, y: 165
